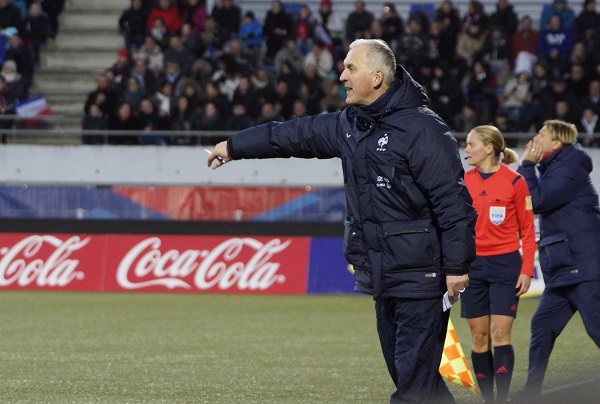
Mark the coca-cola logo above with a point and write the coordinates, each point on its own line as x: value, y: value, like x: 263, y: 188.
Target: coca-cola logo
x: 219, y: 268
x: 19, y: 264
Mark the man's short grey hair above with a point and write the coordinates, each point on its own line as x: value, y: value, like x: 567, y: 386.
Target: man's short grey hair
x: 380, y: 56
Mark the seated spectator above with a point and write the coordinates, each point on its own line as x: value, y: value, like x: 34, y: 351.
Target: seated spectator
x: 226, y: 76
x: 251, y: 36
x: 592, y: 98
x: 506, y: 125
x: 158, y: 31
x: 298, y: 109
x: 268, y: 113
x: 291, y: 54
x: 392, y: 25
x: 496, y: 52
x: 311, y: 90
x: 210, y: 41
x: 150, y: 122
x: 321, y: 58
x: 53, y: 8
x: 239, y: 119
x: 470, y: 41
x: 445, y: 93
x: 132, y: 24
x: 412, y: 46
x: 358, y: 22
x: 105, y: 96
x: 504, y: 17
x: 216, y: 98
x: 561, y: 9
x: 36, y: 30
x: 304, y: 29
x: 277, y: 28
x: 10, y: 16
x: 440, y: 45
x: 246, y: 96
x: 123, y: 119
x: 168, y: 13
x: 14, y: 82
x: 182, y: 117
x: 555, y: 44
x: 586, y: 22
x: 480, y: 90
x: 122, y: 67
x: 557, y: 91
x: 589, y: 128
x: 210, y: 119
x: 475, y: 14
x: 190, y: 41
x: 172, y: 74
x: 449, y: 17
x: 146, y: 77
x: 331, y: 21
x: 7, y: 106
x: 239, y: 55
x: 580, y: 56
x: 577, y: 81
x: 152, y: 53
x: 163, y: 99
x: 191, y: 90
x: 524, y: 47
x: 132, y: 93
x: 22, y: 56
x: 177, y: 53
x: 193, y: 12
x: 94, y: 119
x: 228, y: 17
x: 515, y: 96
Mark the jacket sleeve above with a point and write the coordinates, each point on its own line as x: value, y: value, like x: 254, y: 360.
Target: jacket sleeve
x: 313, y: 136
x: 436, y: 167
x: 561, y: 183
x: 526, y: 226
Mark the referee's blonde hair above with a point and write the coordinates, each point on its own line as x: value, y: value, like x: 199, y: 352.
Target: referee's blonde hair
x: 489, y: 134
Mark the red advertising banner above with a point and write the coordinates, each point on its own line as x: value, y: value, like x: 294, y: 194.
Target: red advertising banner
x: 154, y: 263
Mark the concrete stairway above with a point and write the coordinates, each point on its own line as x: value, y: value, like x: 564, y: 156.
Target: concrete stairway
x: 86, y: 45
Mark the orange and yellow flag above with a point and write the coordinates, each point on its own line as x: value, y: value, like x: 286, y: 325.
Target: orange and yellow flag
x: 454, y: 365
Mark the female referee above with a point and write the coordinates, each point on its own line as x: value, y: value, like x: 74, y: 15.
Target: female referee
x: 498, y: 275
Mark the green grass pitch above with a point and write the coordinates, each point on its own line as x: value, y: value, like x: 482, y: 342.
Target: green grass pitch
x: 59, y: 347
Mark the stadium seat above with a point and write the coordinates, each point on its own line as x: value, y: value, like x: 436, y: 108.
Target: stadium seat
x: 426, y: 8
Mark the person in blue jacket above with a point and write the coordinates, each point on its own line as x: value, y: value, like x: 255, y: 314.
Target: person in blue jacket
x: 567, y: 204
x: 409, y: 232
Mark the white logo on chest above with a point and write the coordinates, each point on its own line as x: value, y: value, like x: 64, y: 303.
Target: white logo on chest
x: 382, y: 142
x: 497, y: 214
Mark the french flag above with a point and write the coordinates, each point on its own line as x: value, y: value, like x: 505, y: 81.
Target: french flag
x: 33, y: 107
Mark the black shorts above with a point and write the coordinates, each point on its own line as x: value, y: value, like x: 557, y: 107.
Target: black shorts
x: 492, y: 286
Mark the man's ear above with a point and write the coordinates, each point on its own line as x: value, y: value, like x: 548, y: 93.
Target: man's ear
x: 377, y: 78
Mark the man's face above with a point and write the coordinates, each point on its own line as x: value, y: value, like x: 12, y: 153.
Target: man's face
x: 358, y: 78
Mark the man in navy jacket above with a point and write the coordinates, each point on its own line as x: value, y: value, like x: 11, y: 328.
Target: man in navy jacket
x: 410, y: 224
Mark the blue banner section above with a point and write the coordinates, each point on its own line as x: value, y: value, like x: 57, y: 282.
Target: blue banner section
x: 328, y: 270
x: 70, y: 203
x: 323, y: 205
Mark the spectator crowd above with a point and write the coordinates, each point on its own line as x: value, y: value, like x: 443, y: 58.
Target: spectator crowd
x: 25, y: 26
x: 186, y: 68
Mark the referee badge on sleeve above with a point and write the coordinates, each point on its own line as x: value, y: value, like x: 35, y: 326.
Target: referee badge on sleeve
x: 528, y: 205
x: 497, y: 214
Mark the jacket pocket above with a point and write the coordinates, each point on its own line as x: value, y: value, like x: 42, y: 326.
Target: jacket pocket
x: 411, y: 244
x: 555, y: 254
x: 354, y: 243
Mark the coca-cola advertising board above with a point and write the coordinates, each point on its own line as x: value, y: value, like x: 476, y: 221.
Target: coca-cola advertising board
x: 154, y: 263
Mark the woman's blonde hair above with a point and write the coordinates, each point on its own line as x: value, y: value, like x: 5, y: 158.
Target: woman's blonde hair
x: 562, y: 131
x: 489, y: 134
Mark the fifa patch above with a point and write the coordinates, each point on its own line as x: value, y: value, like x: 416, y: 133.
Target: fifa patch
x: 497, y: 214
x: 528, y: 205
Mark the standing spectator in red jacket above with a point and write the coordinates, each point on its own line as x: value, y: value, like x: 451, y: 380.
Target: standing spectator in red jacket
x: 168, y: 13
x: 193, y: 12
x: 523, y: 46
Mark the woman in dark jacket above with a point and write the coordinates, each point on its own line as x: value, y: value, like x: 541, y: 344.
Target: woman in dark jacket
x: 567, y: 203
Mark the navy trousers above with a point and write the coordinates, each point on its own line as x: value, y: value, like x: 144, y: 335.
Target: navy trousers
x: 412, y: 334
x: 557, y: 306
